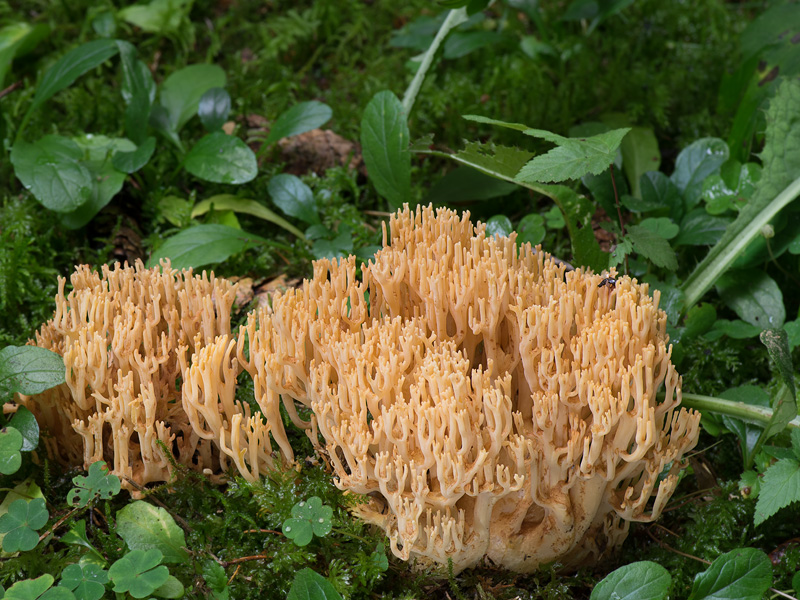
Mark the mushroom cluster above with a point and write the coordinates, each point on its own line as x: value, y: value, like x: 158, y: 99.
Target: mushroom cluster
x: 126, y: 334
x: 490, y: 404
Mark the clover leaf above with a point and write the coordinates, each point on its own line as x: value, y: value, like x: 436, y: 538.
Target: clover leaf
x: 37, y: 589
x: 140, y: 573
x: 86, y: 581
x: 309, y: 518
x: 10, y: 446
x: 21, y: 522
x: 99, y: 483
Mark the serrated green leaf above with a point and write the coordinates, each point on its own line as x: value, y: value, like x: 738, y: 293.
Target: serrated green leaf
x: 246, y: 206
x: 384, y: 142
x: 754, y: 296
x: 643, y: 580
x: 573, y: 157
x: 180, y: 94
x: 29, y: 370
x: 222, y: 158
x: 780, y: 487
x: 741, y: 574
x: 694, y: 164
x: 652, y: 246
x: 293, y: 197
x: 130, y: 162
x: 310, y: 585
x: 214, y: 575
x: 661, y: 226
x: 302, y: 117
x: 144, y: 527
x: 204, y: 244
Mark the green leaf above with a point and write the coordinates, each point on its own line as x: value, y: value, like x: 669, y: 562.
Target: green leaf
x: 796, y: 583
x: 25, y: 423
x: 499, y: 225
x: 181, y: 92
x: 779, y: 185
x: 50, y: 169
x: 222, y: 158
x: 468, y: 185
x: 293, y: 197
x: 497, y: 122
x: 130, y: 162
x: 87, y: 581
x: 144, y: 526
x: 215, y: 577
x: 640, y: 154
x: 652, y: 246
x: 531, y: 229
x: 243, y: 205
x: 11, y: 442
x: 658, y: 190
x: 602, y: 189
x: 17, y: 39
x: 741, y: 574
x: 20, y: 524
x: 310, y: 585
x: 214, y: 108
x: 159, y: 16
x: 204, y: 244
x: 699, y: 320
x: 72, y: 65
x: 76, y: 536
x: 780, y: 487
x: 661, y: 226
x: 384, y: 141
x: 98, y: 484
x: 777, y: 343
x: 106, y: 180
x: 338, y: 247
x: 732, y: 188
x: 29, y: 370
x: 748, y: 433
x: 172, y: 588
x: 698, y: 228
x: 462, y: 43
x: 138, y: 92
x: 754, y: 296
x: 696, y: 162
x: 139, y: 573
x: 37, y: 589
x: 301, y: 118
x: 572, y: 158
x: 736, y: 329
x: 643, y: 580
x: 309, y: 518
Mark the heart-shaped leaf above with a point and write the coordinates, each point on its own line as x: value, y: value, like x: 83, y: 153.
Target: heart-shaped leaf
x: 98, y: 484
x: 309, y: 518
x: 140, y: 573
x: 21, y: 522
x: 87, y: 581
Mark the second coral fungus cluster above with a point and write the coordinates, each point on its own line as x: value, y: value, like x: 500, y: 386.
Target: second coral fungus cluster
x: 489, y: 403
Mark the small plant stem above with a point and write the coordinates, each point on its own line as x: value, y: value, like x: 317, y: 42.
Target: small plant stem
x: 59, y: 523
x: 262, y: 531
x: 24, y: 124
x: 454, y: 19
x: 777, y: 265
x: 352, y: 535
x: 666, y: 546
x: 10, y: 88
x: 235, y: 573
x: 780, y: 593
x: 760, y: 415
x: 619, y: 210
x: 242, y: 559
